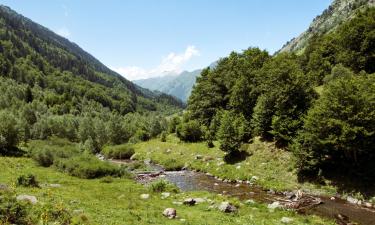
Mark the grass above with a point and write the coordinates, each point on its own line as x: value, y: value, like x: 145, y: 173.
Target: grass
x: 272, y: 166
x: 118, y: 201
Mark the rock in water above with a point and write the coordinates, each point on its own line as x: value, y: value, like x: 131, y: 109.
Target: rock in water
x: 170, y: 213
x: 227, y: 207
x: 29, y: 198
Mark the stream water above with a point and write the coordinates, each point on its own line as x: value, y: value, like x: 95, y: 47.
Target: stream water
x: 196, y: 181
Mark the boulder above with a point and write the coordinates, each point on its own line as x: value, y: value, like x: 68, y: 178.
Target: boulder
x: 352, y: 200
x: 165, y: 195
x: 145, y: 196
x: 227, y: 207
x: 29, y: 198
x: 4, y: 187
x: 286, y: 220
x: 189, y: 201
x: 199, y: 200
x: 274, y: 205
x: 171, y: 213
x: 249, y: 202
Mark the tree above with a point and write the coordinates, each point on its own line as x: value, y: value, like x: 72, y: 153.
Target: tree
x: 339, y: 128
x: 10, y: 134
x: 190, y: 131
x: 233, y: 128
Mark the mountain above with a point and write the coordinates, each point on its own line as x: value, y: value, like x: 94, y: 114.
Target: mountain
x: 179, y: 85
x: 35, y: 56
x: 337, y: 13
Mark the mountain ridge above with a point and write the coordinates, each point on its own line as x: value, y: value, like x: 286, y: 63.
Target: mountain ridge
x: 338, y: 12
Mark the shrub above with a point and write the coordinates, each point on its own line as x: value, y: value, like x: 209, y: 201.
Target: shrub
x: 163, y: 136
x: 13, y: 211
x: 87, y: 166
x: 173, y: 164
x: 162, y: 185
x: 10, y: 134
x: 232, y: 132
x: 44, y: 157
x: 190, y: 131
x: 124, y: 151
x: 27, y: 181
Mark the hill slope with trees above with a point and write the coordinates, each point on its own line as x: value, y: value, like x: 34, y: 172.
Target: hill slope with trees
x: 51, y: 86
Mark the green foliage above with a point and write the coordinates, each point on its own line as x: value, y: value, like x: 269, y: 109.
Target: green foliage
x: 163, y: 136
x: 162, y: 185
x: 13, y: 211
x: 87, y: 166
x: 44, y: 157
x: 124, y: 151
x: 190, y: 131
x: 232, y: 132
x: 28, y: 180
x: 173, y: 123
x: 10, y: 134
x: 350, y: 45
x: 339, y: 128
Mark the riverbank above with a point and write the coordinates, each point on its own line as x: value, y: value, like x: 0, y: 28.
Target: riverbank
x: 118, y: 200
x: 263, y: 164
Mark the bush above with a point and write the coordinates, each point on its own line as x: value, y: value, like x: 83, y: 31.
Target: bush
x: 87, y: 166
x: 124, y: 151
x: 339, y: 128
x: 13, y: 211
x: 232, y: 132
x: 44, y: 157
x: 10, y: 134
x: 190, y: 131
x: 27, y: 181
x: 173, y: 164
x: 163, y: 136
x: 162, y: 185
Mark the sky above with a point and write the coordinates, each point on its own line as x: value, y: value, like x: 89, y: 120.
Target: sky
x: 148, y: 38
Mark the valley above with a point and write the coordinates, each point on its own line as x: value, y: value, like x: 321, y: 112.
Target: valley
x: 254, y: 138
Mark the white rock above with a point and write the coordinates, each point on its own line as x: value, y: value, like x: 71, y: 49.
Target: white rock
x: 286, y: 220
x: 274, y: 205
x: 145, y: 196
x: 171, y: 213
x: 238, y: 167
x: 249, y: 201
x: 165, y: 195
x: 55, y: 185
x: 29, y: 198
x: 227, y: 207
x: 199, y: 200
x: 352, y: 200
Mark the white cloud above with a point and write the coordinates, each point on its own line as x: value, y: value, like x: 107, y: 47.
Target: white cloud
x: 172, y: 63
x: 63, y: 31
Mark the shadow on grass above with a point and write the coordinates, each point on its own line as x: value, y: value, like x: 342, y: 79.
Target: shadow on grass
x: 236, y: 157
x: 346, y: 180
x: 13, y: 152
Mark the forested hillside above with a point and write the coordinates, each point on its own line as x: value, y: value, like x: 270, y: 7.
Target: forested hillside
x: 320, y: 105
x: 337, y: 13
x: 51, y: 86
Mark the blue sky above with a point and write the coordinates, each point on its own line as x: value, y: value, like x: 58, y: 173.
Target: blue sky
x: 144, y: 38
